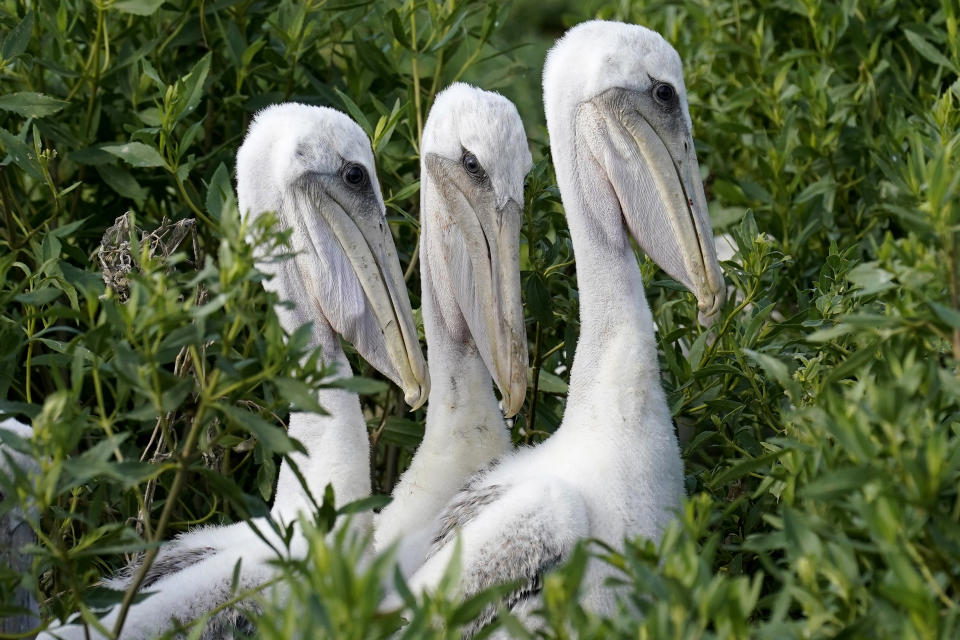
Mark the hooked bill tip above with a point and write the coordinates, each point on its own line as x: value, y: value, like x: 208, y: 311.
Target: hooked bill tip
x: 415, y: 397
x: 710, y: 308
x: 511, y: 401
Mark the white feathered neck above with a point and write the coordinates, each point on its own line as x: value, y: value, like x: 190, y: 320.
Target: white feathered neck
x: 464, y: 427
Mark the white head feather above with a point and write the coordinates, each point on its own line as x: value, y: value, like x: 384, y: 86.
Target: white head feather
x: 485, y: 123
x: 590, y: 58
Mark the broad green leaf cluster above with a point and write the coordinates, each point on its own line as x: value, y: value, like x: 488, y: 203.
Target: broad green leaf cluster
x: 819, y: 417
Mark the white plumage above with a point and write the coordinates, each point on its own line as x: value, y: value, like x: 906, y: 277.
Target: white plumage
x: 625, y: 165
x: 474, y: 157
x: 13, y: 462
x: 314, y: 167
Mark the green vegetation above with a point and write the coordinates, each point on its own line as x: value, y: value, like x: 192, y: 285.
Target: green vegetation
x: 820, y: 417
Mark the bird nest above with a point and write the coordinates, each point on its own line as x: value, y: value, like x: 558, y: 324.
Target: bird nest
x: 117, y: 258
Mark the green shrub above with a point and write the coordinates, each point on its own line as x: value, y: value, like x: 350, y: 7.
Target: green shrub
x: 818, y: 418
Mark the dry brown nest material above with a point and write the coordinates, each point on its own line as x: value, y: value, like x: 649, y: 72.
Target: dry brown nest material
x: 117, y: 259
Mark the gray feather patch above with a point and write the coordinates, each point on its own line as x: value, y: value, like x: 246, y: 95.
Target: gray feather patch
x: 524, y: 553
x: 524, y: 550
x: 170, y: 560
x: 460, y: 511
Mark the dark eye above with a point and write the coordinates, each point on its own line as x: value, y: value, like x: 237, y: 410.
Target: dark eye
x: 354, y: 174
x: 471, y: 164
x: 664, y: 93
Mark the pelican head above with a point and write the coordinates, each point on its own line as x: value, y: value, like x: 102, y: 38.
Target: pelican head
x: 313, y: 167
x: 621, y: 86
x: 474, y: 158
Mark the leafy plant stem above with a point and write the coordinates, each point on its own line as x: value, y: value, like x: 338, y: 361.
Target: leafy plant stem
x: 185, y: 456
x: 101, y: 408
x: 415, y: 256
x: 436, y: 78
x: 95, y: 81
x: 468, y: 63
x: 173, y: 34
x: 954, y: 292
x: 415, y: 63
x: 31, y: 326
x: 552, y: 350
x: 925, y: 571
x: 186, y: 198
x: 536, y: 381
x: 726, y: 323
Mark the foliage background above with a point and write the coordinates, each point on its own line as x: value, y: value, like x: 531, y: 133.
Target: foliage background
x: 819, y: 418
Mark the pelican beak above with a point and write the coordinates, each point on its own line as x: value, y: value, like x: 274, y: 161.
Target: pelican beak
x: 649, y: 160
x: 384, y: 333
x: 481, y: 243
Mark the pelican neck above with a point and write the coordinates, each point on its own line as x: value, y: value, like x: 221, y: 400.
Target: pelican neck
x: 615, y: 379
x: 337, y: 446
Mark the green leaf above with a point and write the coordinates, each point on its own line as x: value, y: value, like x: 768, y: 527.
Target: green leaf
x: 836, y: 481
x: 818, y: 188
x: 830, y: 334
x: 548, y: 382
x: 189, y: 89
x: 136, y: 154
x: 355, y: 112
x: 95, y: 463
x: 695, y: 355
x: 21, y: 154
x: 92, y: 156
x: 407, y: 191
x: 539, y: 304
x: 851, y: 366
x: 397, y: 28
x: 173, y: 398
x: 30, y: 104
x: 271, y: 436
x: 403, y: 432
x: 698, y: 441
x: 777, y: 370
x: 299, y: 395
x: 39, y: 296
x: 219, y: 191
x: 121, y: 181
x: 927, y: 50
x: 871, y: 278
x: 756, y: 191
x: 472, y: 606
x: 16, y: 41
x: 744, y: 467
x: 357, y: 384
x: 800, y: 535
x: 138, y: 7
x: 84, y: 280
x: 365, y: 504
x: 948, y: 315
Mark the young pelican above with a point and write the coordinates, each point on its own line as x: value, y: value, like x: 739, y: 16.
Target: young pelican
x: 474, y: 157
x: 621, y: 140
x: 314, y: 168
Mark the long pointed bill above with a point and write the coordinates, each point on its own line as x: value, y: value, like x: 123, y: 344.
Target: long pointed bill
x: 365, y: 239
x: 482, y: 246
x: 652, y: 167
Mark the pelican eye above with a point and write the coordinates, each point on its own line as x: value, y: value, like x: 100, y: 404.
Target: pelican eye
x: 354, y: 175
x: 471, y: 164
x: 664, y: 93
